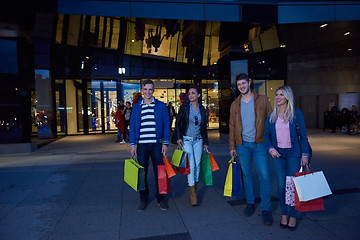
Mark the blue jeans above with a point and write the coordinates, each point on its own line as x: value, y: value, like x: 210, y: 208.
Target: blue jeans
x: 256, y: 152
x: 119, y: 138
x: 193, y: 147
x: 285, y: 165
x: 144, y: 152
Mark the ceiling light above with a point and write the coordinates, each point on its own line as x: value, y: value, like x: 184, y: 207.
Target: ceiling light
x: 349, y: 49
x: 347, y: 33
x: 283, y: 45
x: 323, y: 25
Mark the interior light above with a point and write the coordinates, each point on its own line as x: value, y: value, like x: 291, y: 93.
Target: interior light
x: 133, y: 40
x: 349, y: 49
x: 87, y: 57
x: 347, y: 33
x: 323, y: 25
x: 283, y: 45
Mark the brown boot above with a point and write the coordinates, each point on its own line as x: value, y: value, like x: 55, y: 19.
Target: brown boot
x: 193, y: 197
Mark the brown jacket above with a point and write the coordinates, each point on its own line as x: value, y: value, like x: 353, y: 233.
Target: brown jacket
x: 262, y: 109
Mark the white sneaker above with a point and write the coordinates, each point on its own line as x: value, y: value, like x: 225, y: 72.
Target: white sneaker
x: 122, y: 142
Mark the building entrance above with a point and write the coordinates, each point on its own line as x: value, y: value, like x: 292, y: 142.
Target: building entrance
x: 88, y: 106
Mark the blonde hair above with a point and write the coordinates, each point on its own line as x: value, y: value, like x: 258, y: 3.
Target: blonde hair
x: 289, y: 111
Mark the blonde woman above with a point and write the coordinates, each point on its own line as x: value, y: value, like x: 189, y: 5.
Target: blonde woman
x: 286, y: 140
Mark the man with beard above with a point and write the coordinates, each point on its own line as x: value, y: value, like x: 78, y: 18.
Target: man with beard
x: 247, y: 120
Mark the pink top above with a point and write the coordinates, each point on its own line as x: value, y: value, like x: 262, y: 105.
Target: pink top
x: 282, y: 133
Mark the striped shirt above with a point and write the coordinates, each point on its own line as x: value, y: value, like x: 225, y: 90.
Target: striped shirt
x: 147, y: 123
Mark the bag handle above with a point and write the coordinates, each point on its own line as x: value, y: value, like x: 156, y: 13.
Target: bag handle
x: 231, y: 160
x: 134, y: 157
x: 307, y: 166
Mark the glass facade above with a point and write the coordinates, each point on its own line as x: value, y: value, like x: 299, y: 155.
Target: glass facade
x: 169, y: 39
x: 102, y: 97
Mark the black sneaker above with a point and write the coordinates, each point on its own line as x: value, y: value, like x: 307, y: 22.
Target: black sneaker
x: 163, y: 205
x: 142, y: 206
x: 249, y: 210
x: 267, y: 218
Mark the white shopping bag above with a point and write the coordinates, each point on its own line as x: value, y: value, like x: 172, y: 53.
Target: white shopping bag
x: 311, y: 186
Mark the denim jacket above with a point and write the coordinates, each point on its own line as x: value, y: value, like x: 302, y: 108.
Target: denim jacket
x: 299, y: 144
x: 162, y: 121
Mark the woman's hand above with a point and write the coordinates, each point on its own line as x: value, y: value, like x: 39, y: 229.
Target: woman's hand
x: 274, y: 153
x: 205, y: 147
x: 304, y: 160
x: 179, y: 142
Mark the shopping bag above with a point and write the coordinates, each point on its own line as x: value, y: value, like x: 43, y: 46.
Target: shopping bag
x: 316, y: 204
x: 184, y: 170
x: 311, y: 185
x: 205, y: 170
x: 163, y: 180
x: 176, y: 157
x: 214, y: 165
x: 134, y: 174
x: 169, y: 168
x: 236, y: 180
x: 290, y: 191
x: 233, y: 182
x: 228, y: 180
x: 184, y: 159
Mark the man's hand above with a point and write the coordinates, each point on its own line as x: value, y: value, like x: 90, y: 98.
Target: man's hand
x: 233, y: 153
x: 164, y: 149
x: 133, y: 150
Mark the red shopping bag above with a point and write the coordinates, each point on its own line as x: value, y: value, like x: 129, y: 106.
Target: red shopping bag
x: 312, y: 205
x: 163, y: 180
x: 184, y: 170
x: 169, y: 168
x: 213, y: 163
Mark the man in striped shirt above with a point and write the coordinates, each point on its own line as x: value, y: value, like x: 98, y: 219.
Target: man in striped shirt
x: 149, y: 137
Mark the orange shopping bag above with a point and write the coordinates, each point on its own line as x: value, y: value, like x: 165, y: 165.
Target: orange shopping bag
x: 213, y: 163
x: 169, y: 168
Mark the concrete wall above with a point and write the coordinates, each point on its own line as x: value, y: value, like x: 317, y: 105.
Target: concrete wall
x: 316, y: 82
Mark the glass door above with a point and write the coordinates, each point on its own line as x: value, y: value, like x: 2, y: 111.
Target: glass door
x: 96, y: 116
x: 110, y: 105
x: 102, y: 105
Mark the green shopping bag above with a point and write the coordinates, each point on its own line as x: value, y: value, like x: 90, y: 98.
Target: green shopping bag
x: 177, y: 156
x: 134, y: 174
x: 205, y: 170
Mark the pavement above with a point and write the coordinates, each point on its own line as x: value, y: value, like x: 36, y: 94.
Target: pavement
x: 73, y: 188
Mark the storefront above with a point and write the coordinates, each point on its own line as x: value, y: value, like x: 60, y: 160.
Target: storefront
x: 89, y: 106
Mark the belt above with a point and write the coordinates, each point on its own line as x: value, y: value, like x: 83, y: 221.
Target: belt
x: 192, y: 138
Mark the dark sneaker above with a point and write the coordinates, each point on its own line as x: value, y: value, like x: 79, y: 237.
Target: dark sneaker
x: 249, y: 210
x: 142, y: 206
x: 163, y: 205
x: 267, y: 218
